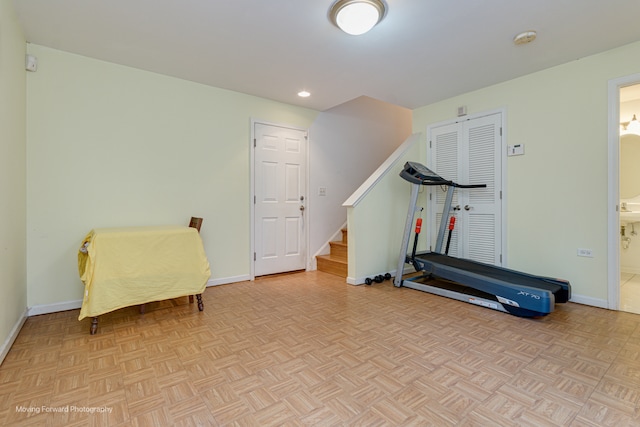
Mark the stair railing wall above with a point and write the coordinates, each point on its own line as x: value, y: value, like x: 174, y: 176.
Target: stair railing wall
x: 376, y: 213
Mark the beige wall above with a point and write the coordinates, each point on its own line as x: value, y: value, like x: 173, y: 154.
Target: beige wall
x: 13, y: 289
x: 629, y: 166
x: 110, y: 145
x: 348, y: 143
x: 557, y: 192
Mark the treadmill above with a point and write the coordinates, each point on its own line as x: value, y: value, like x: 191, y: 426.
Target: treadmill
x: 486, y: 285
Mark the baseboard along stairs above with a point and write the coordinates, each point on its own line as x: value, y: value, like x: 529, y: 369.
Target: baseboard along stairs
x: 336, y: 262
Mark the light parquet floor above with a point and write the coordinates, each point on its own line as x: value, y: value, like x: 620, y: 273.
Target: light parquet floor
x: 308, y: 350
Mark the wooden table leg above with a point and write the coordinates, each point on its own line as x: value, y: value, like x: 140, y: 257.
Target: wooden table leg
x: 200, y: 305
x: 94, y: 326
x: 190, y: 299
x: 142, y: 308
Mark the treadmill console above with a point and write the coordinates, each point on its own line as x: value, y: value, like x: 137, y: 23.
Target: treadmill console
x: 417, y: 173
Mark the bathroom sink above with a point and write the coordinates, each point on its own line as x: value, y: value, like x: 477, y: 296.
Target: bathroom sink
x: 629, y: 216
x: 630, y: 210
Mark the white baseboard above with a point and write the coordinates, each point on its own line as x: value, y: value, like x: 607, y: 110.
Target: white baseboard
x: 6, y: 345
x: 354, y: 281
x: 53, y: 308
x: 72, y: 305
x: 595, y: 302
x: 227, y: 280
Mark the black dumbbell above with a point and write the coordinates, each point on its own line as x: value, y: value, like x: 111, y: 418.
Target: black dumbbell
x: 378, y: 279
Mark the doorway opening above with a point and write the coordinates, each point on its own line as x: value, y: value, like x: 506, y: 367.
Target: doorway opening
x: 620, y: 95
x: 629, y: 190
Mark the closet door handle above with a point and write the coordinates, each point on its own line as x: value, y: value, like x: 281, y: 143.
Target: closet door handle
x: 467, y: 208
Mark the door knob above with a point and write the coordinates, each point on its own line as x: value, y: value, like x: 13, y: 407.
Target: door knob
x: 301, y: 207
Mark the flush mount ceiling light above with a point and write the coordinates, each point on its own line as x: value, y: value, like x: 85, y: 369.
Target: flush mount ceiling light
x: 304, y: 94
x: 524, y: 38
x: 356, y: 17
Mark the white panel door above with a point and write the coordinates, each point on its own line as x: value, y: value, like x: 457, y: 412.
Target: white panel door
x: 280, y: 198
x: 469, y: 153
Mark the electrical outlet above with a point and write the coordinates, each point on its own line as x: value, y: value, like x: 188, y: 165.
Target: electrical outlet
x: 585, y: 252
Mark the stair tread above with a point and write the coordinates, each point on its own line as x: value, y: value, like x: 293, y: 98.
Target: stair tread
x: 333, y: 258
x: 335, y: 262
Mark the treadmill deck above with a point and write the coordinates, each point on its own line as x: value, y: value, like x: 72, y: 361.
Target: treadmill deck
x: 494, y: 287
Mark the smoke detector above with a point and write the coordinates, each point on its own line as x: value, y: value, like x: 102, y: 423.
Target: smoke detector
x: 524, y: 38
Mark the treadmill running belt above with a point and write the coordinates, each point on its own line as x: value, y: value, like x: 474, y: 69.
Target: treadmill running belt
x: 490, y: 271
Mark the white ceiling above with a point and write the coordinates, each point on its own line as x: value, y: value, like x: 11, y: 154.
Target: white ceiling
x: 422, y: 52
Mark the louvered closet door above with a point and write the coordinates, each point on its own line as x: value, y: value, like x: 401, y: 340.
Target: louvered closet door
x: 482, y: 223
x: 469, y: 153
x: 446, y: 143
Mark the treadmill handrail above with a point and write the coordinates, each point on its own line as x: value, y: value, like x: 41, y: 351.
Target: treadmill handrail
x: 417, y: 173
x: 448, y: 183
x: 469, y: 185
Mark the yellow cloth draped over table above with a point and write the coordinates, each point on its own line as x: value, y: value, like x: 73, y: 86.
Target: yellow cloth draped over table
x: 121, y: 267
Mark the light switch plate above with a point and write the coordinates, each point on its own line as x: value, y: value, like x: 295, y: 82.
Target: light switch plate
x: 515, y: 150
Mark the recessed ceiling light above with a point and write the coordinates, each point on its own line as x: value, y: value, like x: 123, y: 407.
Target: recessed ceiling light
x: 304, y: 94
x: 356, y: 17
x: 525, y: 37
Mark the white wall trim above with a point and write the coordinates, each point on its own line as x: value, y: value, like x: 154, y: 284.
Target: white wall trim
x: 382, y: 170
x: 594, y: 302
x: 252, y: 205
x: 6, y: 345
x: 54, y: 308
x: 613, y: 197
x: 355, y: 281
x: 228, y: 280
